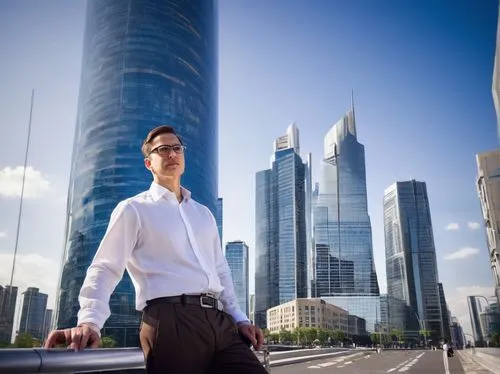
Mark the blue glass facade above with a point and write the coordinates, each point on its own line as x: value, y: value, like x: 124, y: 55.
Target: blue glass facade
x: 237, y: 258
x: 33, y: 313
x: 219, y: 217
x: 342, y: 228
x: 145, y: 63
x: 281, y: 239
x: 366, y: 306
x: 411, y: 267
x: 8, y: 298
x: 343, y: 260
x: 266, y: 256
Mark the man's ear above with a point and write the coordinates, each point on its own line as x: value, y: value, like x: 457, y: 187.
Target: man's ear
x: 147, y: 163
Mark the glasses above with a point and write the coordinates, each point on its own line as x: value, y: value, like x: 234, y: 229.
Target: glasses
x: 165, y: 150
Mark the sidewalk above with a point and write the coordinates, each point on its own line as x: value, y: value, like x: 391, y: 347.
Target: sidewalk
x: 476, y: 362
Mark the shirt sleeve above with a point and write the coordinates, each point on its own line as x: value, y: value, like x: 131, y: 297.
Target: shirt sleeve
x: 228, y: 296
x: 108, y: 265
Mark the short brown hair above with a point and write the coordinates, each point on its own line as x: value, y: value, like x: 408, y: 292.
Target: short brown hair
x: 164, y: 129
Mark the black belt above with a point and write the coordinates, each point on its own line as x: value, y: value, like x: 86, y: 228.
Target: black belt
x: 203, y: 300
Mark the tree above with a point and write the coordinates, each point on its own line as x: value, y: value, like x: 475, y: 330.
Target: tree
x: 311, y: 334
x: 285, y: 336
x: 107, y: 342
x: 301, y: 335
x: 425, y: 333
x: 398, y: 335
x: 339, y: 335
x: 323, y: 336
x: 495, y: 340
x: 23, y: 340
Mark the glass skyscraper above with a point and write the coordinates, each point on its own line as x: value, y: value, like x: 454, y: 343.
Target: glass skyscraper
x: 281, y: 239
x: 445, y: 313
x: 237, y: 259
x: 33, y: 313
x: 145, y: 63
x: 344, y: 268
x: 219, y: 217
x: 488, y: 187
x: 8, y: 298
x: 411, y: 267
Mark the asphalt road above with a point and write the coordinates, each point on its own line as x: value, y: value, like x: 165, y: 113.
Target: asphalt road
x: 409, y: 362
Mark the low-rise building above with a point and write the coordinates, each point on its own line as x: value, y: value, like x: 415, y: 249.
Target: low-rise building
x: 307, y: 313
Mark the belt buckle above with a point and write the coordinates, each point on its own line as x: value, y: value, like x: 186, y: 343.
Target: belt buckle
x: 207, y: 304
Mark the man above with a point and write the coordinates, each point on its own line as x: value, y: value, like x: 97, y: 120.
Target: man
x: 170, y: 245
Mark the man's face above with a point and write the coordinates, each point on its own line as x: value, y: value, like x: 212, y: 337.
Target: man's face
x: 166, y: 160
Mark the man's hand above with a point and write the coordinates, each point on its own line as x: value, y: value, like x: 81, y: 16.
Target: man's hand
x: 252, y: 333
x: 76, y: 338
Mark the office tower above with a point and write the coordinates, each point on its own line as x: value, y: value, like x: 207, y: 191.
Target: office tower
x: 457, y: 334
x: 411, y: 267
x: 251, y: 312
x: 490, y: 321
x: 344, y: 266
x: 47, y: 323
x: 445, y: 317
x: 496, y: 77
x: 33, y: 312
x: 237, y: 258
x: 309, y: 227
x: 475, y: 320
x: 8, y: 298
x: 145, y: 63
x: 383, y: 318
x: 280, y: 225
x: 219, y: 218
x: 488, y: 186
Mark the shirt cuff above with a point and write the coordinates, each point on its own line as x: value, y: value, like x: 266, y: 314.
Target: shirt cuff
x: 239, y: 317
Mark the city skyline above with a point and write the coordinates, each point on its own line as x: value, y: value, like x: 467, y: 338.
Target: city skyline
x: 403, y: 128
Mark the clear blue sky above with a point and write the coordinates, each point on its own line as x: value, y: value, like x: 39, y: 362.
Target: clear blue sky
x: 421, y: 74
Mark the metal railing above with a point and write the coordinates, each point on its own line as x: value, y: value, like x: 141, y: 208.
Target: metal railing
x: 39, y: 360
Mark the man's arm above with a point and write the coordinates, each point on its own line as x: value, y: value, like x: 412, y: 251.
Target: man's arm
x: 250, y: 333
x: 108, y: 266
x: 228, y: 296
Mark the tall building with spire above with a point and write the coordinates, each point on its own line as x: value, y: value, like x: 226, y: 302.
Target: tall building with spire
x: 280, y: 219
x: 344, y: 267
x: 145, y: 63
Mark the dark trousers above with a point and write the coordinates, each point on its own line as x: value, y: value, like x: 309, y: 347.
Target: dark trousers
x: 189, y: 339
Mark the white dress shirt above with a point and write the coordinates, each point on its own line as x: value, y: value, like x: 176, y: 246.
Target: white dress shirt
x: 168, y: 248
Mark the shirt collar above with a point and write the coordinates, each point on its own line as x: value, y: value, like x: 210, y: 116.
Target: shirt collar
x: 157, y: 192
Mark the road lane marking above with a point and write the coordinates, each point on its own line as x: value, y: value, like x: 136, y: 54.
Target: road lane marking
x: 326, y: 364
x: 336, y: 361
x: 405, y: 365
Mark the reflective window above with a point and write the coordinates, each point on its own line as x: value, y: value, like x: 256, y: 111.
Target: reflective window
x: 145, y: 63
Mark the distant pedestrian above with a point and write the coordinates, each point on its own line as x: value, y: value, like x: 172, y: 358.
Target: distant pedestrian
x: 446, y: 348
